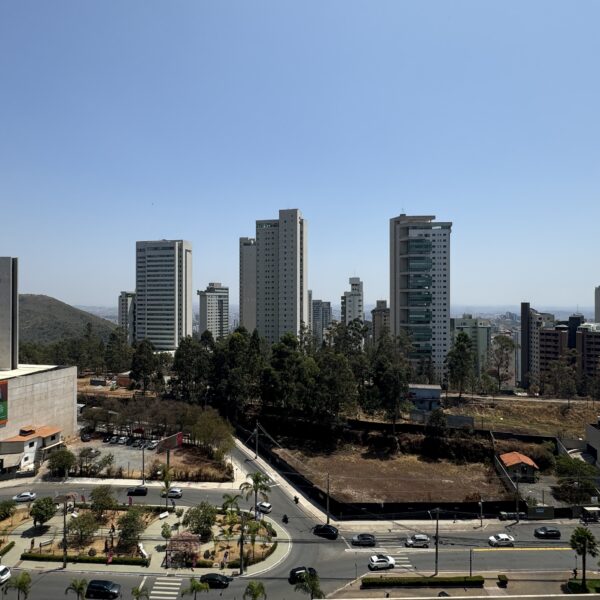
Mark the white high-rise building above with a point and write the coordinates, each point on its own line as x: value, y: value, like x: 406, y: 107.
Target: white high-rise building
x: 352, y: 302
x: 281, y: 275
x: 9, y: 313
x: 420, y: 286
x: 127, y: 315
x: 597, y: 305
x: 214, y: 310
x: 248, y: 283
x: 163, y: 279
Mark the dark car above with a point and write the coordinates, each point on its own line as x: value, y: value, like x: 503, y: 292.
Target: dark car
x: 327, y: 531
x: 130, y: 441
x: 298, y: 573
x: 547, y: 533
x: 106, y: 438
x: 86, y: 437
x: 102, y: 588
x: 216, y: 580
x: 364, y: 539
x: 138, y: 490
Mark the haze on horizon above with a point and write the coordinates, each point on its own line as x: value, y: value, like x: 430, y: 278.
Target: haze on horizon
x: 130, y: 121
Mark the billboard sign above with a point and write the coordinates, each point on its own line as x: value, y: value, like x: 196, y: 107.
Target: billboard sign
x: 3, y: 401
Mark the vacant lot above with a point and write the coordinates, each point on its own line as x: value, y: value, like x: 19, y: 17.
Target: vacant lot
x: 401, y: 478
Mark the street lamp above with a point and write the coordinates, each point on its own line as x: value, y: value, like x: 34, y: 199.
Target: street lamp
x: 64, y: 499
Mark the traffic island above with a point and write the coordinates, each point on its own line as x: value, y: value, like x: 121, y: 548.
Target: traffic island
x: 383, y: 581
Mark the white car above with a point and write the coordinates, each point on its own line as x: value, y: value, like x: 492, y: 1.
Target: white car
x: 4, y: 573
x: 25, y: 497
x: 501, y: 539
x: 381, y: 561
x: 264, y: 507
x: 174, y: 492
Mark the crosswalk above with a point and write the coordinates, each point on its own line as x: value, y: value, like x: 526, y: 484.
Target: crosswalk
x: 399, y: 553
x: 165, y: 588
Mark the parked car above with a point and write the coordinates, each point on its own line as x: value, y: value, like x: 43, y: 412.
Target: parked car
x: 25, y: 497
x: 547, y: 533
x: 327, y: 531
x: 138, y: 490
x: 418, y: 540
x: 102, y: 588
x: 137, y: 443
x: 4, y: 573
x: 123, y: 440
x: 216, y: 580
x: 106, y: 439
x: 381, y: 561
x: 130, y: 441
x: 364, y: 539
x: 86, y: 437
x: 501, y: 539
x: 512, y: 516
x: 114, y: 439
x: 298, y: 573
x: 152, y: 445
x: 264, y: 507
x: 174, y: 492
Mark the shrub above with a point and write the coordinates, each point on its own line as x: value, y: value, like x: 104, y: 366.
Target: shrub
x: 92, y: 552
x: 377, y: 582
x: 502, y: 580
x: 7, y: 548
x: 84, y: 558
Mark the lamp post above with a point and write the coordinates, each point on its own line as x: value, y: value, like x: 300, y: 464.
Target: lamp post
x: 64, y: 499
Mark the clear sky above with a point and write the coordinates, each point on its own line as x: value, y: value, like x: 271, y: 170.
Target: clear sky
x: 124, y: 121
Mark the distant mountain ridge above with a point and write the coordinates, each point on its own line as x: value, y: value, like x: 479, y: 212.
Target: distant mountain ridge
x: 45, y: 320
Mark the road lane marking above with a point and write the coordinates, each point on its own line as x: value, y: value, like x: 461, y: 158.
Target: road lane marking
x: 143, y: 582
x: 529, y: 549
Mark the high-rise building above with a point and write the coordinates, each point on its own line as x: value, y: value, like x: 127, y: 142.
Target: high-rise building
x: 352, y: 302
x: 597, y: 305
x: 420, y: 286
x: 381, y: 319
x: 248, y: 283
x: 281, y: 275
x: 127, y: 315
x: 214, y: 310
x: 163, y: 281
x: 588, y: 349
x: 532, y: 322
x: 321, y: 319
x: 480, y: 333
x: 9, y: 313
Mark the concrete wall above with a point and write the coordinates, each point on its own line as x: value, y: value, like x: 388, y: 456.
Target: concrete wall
x: 44, y: 398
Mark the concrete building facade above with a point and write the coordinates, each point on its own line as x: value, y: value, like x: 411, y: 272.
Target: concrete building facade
x: 597, y: 304
x: 248, y: 283
x: 163, y: 292
x: 532, y: 322
x: 554, y: 343
x: 214, y: 310
x: 480, y: 334
x: 9, y: 313
x: 353, y: 302
x: 281, y: 275
x: 380, y: 316
x: 127, y: 315
x: 420, y: 286
x: 588, y: 349
x: 321, y: 319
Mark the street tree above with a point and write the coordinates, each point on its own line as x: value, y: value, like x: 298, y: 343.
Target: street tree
x: 196, y: 586
x: 138, y: 593
x: 102, y: 500
x: 131, y: 525
x: 42, y: 510
x: 257, y: 486
x: 231, y: 502
x: 584, y: 543
x: 255, y: 590
x: 82, y: 528
x: 118, y: 353
x: 166, y: 531
x: 200, y: 519
x: 78, y: 587
x: 310, y: 584
x: 21, y: 583
x: 501, y: 354
x: 459, y: 362
x: 61, y: 461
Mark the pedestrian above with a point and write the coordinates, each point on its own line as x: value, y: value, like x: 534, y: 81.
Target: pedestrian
x: 32, y: 544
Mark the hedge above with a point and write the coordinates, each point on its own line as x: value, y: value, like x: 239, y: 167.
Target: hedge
x: 377, y: 582
x: 6, y: 548
x: 574, y: 586
x: 84, y: 558
x: 125, y: 507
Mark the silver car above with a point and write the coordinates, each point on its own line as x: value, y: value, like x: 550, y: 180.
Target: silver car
x: 418, y: 540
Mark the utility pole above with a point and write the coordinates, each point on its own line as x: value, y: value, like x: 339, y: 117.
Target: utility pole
x: 327, y: 499
x: 480, y: 511
x: 437, y: 539
x: 143, y: 465
x: 470, y: 562
x: 517, y: 499
x: 65, y: 533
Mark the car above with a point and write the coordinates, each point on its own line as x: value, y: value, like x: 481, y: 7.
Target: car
x: 381, y: 561
x: 418, y: 540
x: 547, y: 533
x: 137, y: 443
x: 123, y: 440
x: 364, y: 539
x: 102, y: 588
x: 114, y: 439
x: 327, y: 531
x: 298, y: 573
x: 138, y: 490
x: 130, y: 441
x: 173, y: 493
x: 264, y: 507
x: 501, y: 539
x: 106, y: 439
x: 94, y: 452
x: 25, y: 497
x: 152, y: 445
x: 4, y: 573
x: 86, y: 437
x: 216, y: 580
x: 443, y: 595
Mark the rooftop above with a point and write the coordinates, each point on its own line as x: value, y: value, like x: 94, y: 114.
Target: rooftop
x: 33, y: 432
x: 26, y: 370
x: 510, y: 459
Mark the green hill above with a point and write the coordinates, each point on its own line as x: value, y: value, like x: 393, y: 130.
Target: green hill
x: 44, y: 319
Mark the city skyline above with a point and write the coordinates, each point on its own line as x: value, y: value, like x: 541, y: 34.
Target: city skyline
x: 484, y: 115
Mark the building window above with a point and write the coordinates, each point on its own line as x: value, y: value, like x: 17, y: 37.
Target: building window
x: 31, y: 444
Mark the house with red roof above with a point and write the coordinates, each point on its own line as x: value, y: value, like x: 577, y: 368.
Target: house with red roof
x: 519, y: 466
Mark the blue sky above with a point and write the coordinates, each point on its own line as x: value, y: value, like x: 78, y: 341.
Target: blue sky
x: 123, y: 121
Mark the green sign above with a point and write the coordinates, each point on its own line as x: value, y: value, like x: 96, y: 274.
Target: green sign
x: 3, y: 401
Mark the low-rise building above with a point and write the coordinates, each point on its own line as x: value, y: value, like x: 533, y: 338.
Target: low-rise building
x: 519, y: 467
x: 425, y: 397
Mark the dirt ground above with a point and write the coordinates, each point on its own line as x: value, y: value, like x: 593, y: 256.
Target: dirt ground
x: 403, y: 478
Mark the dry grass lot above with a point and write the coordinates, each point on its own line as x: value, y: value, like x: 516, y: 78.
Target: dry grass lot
x: 402, y: 478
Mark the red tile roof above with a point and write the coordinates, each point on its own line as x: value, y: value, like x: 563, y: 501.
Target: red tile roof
x: 510, y: 459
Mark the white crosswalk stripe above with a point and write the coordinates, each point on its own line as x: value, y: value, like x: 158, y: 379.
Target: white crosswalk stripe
x: 400, y: 555
x: 165, y: 588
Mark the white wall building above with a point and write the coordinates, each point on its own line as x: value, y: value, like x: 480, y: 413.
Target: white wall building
x: 420, y: 285
x: 127, y: 314
x: 163, y: 292
x: 281, y: 275
x: 480, y: 333
x: 353, y: 303
x: 214, y: 310
x: 248, y: 283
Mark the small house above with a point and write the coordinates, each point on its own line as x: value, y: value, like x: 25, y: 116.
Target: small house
x: 519, y: 467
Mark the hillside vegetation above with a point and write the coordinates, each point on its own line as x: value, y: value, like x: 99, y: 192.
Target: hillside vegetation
x: 46, y: 320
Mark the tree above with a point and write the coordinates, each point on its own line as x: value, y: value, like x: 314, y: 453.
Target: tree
x: 200, y: 519
x: 576, y: 480
x: 131, y: 525
x: 190, y: 370
x: 82, y: 528
x: 501, y: 355
x: 253, y: 529
x: 231, y: 502
x: 102, y: 500
x: 118, y: 353
x: 195, y: 586
x: 78, y: 587
x: 258, y: 485
x: 166, y: 532
x: 42, y: 510
x: 584, y: 543
x: 139, y: 593
x: 459, y: 362
x: 310, y: 584
x: 61, y: 460
x: 7, y: 509
x: 21, y: 583
x: 143, y: 364
x: 255, y: 590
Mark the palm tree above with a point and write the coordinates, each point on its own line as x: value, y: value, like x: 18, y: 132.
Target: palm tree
x: 78, y: 586
x: 140, y: 593
x: 195, y: 586
x: 231, y: 502
x: 166, y: 477
x: 255, y: 590
x: 310, y: 584
x: 584, y: 543
x: 258, y: 485
x: 253, y: 529
x: 21, y: 583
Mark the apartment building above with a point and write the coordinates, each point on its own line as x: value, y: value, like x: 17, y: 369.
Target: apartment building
x: 248, y: 283
x: 380, y: 316
x: 480, y: 334
x: 214, y: 310
x: 353, y: 302
x: 126, y: 316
